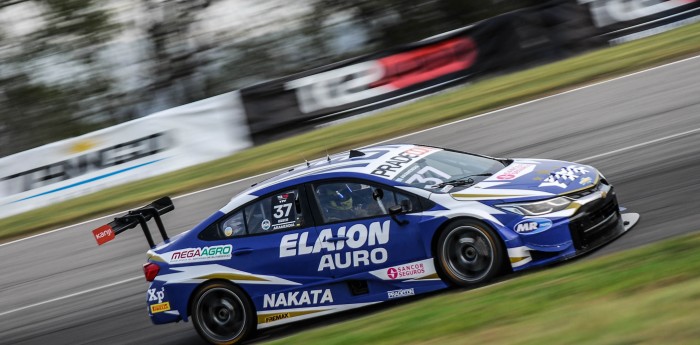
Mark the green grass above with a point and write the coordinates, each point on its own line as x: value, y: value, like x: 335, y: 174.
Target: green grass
x: 649, y: 295
x: 466, y: 101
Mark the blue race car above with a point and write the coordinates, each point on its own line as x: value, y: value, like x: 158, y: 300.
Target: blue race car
x: 366, y: 226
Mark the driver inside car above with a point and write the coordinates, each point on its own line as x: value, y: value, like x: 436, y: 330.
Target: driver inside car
x: 336, y: 201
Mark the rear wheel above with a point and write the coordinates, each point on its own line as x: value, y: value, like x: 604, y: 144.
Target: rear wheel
x: 469, y: 253
x: 222, y: 313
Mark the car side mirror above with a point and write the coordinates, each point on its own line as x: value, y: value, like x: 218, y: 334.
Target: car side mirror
x: 396, y: 210
x: 406, y: 205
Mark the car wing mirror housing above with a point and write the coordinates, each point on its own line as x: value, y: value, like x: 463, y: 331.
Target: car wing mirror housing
x: 396, y: 210
x: 406, y: 206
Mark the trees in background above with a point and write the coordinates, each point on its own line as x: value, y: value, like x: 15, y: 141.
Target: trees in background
x: 52, y: 82
x: 66, y: 70
x: 394, y: 22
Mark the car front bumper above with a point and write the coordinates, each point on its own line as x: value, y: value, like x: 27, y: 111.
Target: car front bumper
x: 593, y: 225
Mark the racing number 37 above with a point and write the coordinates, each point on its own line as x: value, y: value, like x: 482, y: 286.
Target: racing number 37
x: 282, y: 210
x: 420, y: 177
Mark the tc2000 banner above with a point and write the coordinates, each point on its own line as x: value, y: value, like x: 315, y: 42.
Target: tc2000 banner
x: 373, y: 81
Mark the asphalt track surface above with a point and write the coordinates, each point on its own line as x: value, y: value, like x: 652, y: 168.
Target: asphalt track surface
x: 642, y: 131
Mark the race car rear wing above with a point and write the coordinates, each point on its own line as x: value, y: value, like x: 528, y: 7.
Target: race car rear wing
x: 136, y: 217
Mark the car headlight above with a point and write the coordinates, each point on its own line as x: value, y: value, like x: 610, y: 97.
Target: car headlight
x: 537, y: 208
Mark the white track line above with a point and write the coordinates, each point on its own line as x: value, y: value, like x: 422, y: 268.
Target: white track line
x: 69, y: 296
x: 383, y: 141
x: 673, y: 136
x: 540, y: 99
x: 117, y: 213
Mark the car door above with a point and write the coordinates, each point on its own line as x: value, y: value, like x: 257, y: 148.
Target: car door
x: 355, y: 230
x: 274, y: 235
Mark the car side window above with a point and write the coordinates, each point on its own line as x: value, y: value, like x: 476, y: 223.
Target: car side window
x: 348, y: 200
x: 233, y: 226
x: 280, y: 211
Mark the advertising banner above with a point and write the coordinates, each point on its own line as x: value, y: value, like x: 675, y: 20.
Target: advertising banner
x: 166, y: 141
x: 358, y: 85
x: 369, y: 82
x: 620, y: 21
x: 551, y: 31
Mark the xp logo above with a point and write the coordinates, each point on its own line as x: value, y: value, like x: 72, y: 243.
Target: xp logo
x: 156, y: 295
x: 532, y: 226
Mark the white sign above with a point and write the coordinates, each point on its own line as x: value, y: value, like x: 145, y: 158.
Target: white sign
x: 609, y: 12
x: 153, y: 145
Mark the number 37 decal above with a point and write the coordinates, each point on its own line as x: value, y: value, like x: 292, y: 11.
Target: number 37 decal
x: 282, y: 210
x: 420, y: 176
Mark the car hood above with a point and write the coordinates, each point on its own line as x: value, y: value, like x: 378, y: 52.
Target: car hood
x: 527, y: 178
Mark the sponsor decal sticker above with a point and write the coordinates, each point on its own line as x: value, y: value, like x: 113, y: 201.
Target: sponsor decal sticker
x: 297, y: 298
x: 392, y: 166
x: 429, y: 176
x: 532, y: 226
x: 423, y: 269
x: 406, y: 271
x: 563, y: 176
x: 275, y: 317
x: 400, y: 293
x: 347, y: 252
x: 265, y: 224
x: 155, y: 295
x: 103, y: 234
x: 513, y: 171
x: 220, y: 252
x: 160, y: 307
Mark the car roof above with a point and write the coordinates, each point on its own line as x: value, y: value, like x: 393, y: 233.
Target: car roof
x: 365, y: 162
x: 359, y: 161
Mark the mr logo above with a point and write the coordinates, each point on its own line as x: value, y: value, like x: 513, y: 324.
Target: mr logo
x: 532, y: 226
x: 156, y: 295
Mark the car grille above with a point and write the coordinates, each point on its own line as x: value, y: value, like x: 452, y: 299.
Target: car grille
x: 580, y: 194
x: 595, y: 224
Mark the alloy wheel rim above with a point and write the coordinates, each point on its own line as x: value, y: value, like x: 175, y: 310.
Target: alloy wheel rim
x: 222, y: 314
x: 468, y: 253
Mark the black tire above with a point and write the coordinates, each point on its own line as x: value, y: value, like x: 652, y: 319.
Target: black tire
x: 469, y: 253
x: 222, y: 313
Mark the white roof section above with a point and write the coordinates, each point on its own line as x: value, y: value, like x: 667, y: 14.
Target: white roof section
x: 385, y: 161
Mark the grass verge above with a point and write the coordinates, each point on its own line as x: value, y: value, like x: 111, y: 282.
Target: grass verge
x: 460, y: 103
x: 649, y: 295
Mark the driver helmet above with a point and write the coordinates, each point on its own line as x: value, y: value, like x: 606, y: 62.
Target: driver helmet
x: 336, y: 196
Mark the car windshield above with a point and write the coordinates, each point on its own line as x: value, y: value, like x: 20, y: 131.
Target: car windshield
x: 445, y: 171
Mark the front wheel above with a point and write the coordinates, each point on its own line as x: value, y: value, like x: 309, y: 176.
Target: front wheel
x: 222, y: 313
x: 469, y: 253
